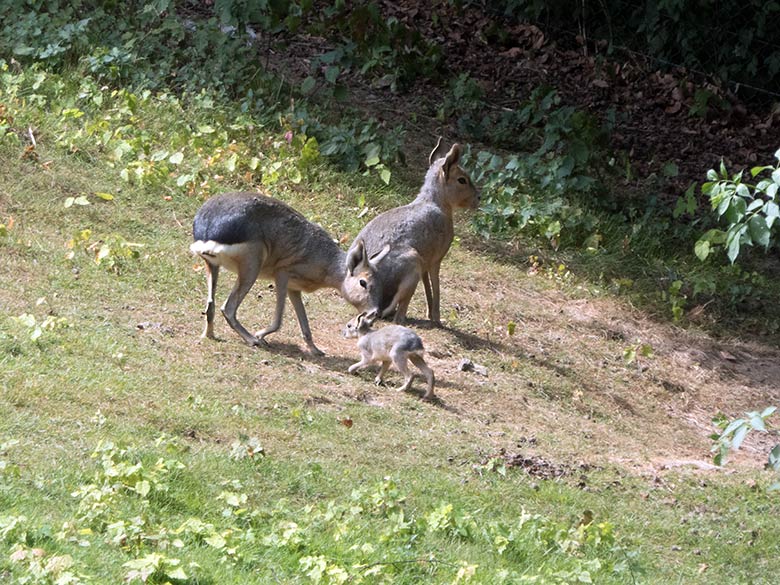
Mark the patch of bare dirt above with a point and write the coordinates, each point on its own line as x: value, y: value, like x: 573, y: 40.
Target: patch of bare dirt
x: 561, y: 376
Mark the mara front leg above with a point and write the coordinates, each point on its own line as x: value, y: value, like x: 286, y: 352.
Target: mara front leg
x: 300, y: 312
x: 365, y: 360
x: 280, y: 283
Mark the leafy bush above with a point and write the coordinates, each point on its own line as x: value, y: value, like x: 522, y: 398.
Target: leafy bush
x: 750, y: 210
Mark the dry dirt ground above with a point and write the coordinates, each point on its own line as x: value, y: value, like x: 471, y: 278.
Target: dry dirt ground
x: 558, y: 388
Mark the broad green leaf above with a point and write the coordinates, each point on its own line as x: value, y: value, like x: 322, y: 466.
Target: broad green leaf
x: 176, y: 158
x: 776, y: 175
x: 723, y: 203
x: 177, y: 573
x: 772, y: 212
x: 294, y: 175
x: 756, y: 170
x: 774, y: 457
x: 757, y: 422
x: 216, y: 540
x: 736, y: 211
x: 308, y: 85
x: 183, y: 180
x: 373, y: 161
x: 384, y: 174
x: 739, y: 436
x: 143, y: 488
x: 759, y: 231
x: 702, y: 249
x: 340, y: 92
x: 733, y: 250
x: 230, y: 164
x: 104, y: 196
x: 332, y: 73
x: 159, y: 155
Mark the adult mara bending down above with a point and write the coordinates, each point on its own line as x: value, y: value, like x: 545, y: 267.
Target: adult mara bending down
x: 257, y: 236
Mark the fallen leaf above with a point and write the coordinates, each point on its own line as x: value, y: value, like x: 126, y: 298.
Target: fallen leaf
x: 346, y: 421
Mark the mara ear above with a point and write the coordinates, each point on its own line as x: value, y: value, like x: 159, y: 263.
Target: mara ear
x: 377, y: 258
x: 432, y: 157
x: 370, y: 317
x: 452, y: 158
x: 356, y: 256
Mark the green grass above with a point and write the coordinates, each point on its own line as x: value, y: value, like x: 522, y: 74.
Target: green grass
x: 401, y: 496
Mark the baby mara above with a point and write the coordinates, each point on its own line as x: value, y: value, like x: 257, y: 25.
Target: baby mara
x: 393, y: 343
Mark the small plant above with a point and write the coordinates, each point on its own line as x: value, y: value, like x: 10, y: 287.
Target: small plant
x: 246, y: 448
x: 38, y: 328
x: 733, y: 433
x: 632, y: 353
x: 154, y: 568
x: 112, y: 253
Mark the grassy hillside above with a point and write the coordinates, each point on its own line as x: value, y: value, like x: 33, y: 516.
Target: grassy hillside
x: 131, y: 451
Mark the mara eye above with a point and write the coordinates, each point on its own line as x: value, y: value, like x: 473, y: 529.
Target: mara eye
x: 363, y: 283
x: 462, y: 180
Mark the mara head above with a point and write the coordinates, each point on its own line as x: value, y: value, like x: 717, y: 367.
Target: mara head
x: 359, y: 324
x: 452, y: 182
x: 361, y: 287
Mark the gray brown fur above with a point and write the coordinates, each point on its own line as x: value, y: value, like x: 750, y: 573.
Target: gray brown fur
x: 257, y: 236
x: 419, y: 235
x: 391, y: 344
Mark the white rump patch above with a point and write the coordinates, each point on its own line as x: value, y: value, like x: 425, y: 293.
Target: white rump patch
x: 227, y: 255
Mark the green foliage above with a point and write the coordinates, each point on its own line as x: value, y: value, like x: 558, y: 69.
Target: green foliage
x: 550, y: 188
x: 40, y: 329
x: 733, y: 433
x: 372, y: 534
x: 385, y: 49
x: 749, y: 209
x: 512, y: 201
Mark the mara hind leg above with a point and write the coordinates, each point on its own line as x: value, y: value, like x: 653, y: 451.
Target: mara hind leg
x: 399, y: 360
x: 382, y: 371
x: 212, y: 274
x: 418, y: 361
x: 248, y: 270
